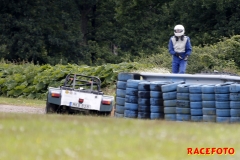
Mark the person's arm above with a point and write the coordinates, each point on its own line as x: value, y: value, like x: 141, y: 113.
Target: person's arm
x: 188, y: 47
x: 170, y: 47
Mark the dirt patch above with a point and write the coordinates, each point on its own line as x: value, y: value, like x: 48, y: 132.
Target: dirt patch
x: 21, y: 109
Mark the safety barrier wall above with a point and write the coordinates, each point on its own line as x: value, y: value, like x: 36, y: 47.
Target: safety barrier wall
x: 175, y: 97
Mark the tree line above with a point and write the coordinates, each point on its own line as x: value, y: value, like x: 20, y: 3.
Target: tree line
x: 95, y: 32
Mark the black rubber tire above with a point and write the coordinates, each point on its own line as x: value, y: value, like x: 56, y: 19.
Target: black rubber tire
x: 183, y: 103
x: 143, y: 108
x: 196, y: 105
x: 222, y: 97
x: 156, y: 109
x: 235, y: 104
x: 169, y: 103
x: 183, y: 88
x: 155, y: 94
x: 118, y: 115
x: 209, y: 111
x: 222, y: 88
x: 121, y: 93
x: 143, y: 115
x: 208, y: 97
x: 234, y: 97
x: 143, y: 94
x: 132, y: 91
x: 131, y: 83
x: 222, y: 105
x: 235, y: 119
x: 195, y: 88
x: 208, y: 89
x: 156, y: 116
x: 169, y: 95
x: 130, y: 114
x: 171, y: 87
x: 169, y: 110
x: 51, y: 108
x: 183, y: 110
x: 156, y: 101
x: 126, y: 76
x: 196, y: 112
x: 235, y: 112
x: 223, y: 119
x: 234, y: 88
x: 170, y: 117
x: 119, y: 109
x: 144, y: 101
x: 209, y: 118
x: 208, y: 104
x: 182, y: 96
x: 120, y: 101
x: 196, y: 118
x: 156, y: 85
x: 131, y: 99
x: 121, y: 85
x: 223, y: 113
x: 195, y: 97
x: 131, y: 106
x: 183, y: 117
x: 144, y: 86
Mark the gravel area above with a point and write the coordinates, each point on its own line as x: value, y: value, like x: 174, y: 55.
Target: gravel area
x: 21, y: 109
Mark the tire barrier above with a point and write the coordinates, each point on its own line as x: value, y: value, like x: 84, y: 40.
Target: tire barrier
x: 119, y: 109
x: 234, y: 104
x: 120, y: 99
x: 156, y: 100
x: 222, y: 98
x: 177, y: 101
x: 132, y: 99
x: 208, y: 103
x: 127, y: 76
x: 183, y: 112
x: 195, y: 101
x: 121, y: 92
x: 144, y: 100
x: 157, y: 85
x: 170, y: 100
x: 118, y: 115
x: 170, y: 116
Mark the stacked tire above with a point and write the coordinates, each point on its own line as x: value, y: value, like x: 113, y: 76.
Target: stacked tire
x: 144, y: 100
x: 131, y: 99
x: 121, y: 92
x: 208, y: 103
x: 234, y: 90
x: 169, y: 93
x: 183, y: 104
x: 195, y: 98
x: 156, y: 100
x: 222, y: 102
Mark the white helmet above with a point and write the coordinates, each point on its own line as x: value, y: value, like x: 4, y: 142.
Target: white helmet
x: 179, y: 30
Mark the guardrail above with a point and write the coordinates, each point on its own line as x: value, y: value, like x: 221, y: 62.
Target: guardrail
x: 190, y: 78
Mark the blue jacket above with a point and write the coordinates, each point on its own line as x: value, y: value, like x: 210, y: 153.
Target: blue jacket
x: 188, y: 46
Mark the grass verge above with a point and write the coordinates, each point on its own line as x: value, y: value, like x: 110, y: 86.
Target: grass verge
x: 67, y: 137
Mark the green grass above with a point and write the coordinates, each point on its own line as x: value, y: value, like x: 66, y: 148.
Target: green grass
x: 66, y: 137
x: 22, y: 102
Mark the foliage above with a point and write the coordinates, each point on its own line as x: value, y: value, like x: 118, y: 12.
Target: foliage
x: 97, y: 32
x: 32, y: 81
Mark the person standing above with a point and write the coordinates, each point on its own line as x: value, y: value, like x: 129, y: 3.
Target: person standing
x: 180, y: 48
